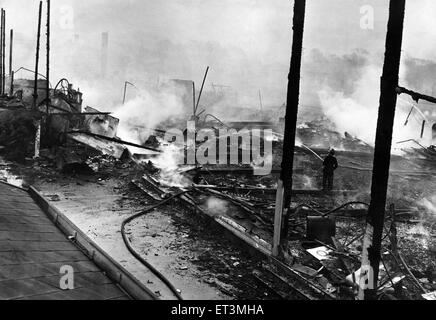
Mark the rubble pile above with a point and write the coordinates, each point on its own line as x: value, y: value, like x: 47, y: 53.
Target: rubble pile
x: 17, y: 131
x: 323, y: 230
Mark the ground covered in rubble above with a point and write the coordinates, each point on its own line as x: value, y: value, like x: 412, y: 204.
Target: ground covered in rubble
x: 202, y: 262
x: 195, y: 256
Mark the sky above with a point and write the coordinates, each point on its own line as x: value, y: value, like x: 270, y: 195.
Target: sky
x: 246, y: 43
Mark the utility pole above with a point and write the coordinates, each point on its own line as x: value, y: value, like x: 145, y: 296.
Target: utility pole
x: 382, y: 153
x: 47, y: 88
x: 284, y: 188
x: 38, y: 37
x: 193, y: 98
x: 35, y: 89
x: 4, y: 53
x: 1, y: 51
x: 11, y: 71
x: 11, y: 46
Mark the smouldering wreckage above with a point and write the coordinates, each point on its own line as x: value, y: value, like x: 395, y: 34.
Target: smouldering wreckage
x: 323, y: 231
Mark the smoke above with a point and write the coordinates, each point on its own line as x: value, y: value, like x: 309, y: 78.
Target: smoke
x: 429, y: 204
x: 217, y: 206
x: 168, y: 162
x: 356, y: 111
x: 147, y: 110
x: 246, y: 43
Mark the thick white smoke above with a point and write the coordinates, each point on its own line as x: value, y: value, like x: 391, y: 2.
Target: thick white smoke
x: 147, y: 110
x: 357, y: 113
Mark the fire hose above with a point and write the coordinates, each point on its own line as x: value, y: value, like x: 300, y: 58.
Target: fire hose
x: 137, y: 255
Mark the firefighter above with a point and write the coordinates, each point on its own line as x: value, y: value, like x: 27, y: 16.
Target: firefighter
x: 330, y: 164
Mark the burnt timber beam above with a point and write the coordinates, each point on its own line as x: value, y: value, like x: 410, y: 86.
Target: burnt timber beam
x: 284, y: 187
x: 416, y: 96
x: 382, y: 153
x: 114, y: 140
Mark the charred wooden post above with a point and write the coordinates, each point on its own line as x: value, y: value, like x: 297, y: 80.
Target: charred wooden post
x: 423, y: 128
x: 47, y: 77
x: 285, y: 183
x: 47, y: 88
x: 382, y: 152
x: 11, y: 89
x: 193, y: 98
x: 11, y: 48
x: 4, y: 53
x: 35, y: 89
x: 1, y: 52
x: 416, y: 96
x: 38, y: 37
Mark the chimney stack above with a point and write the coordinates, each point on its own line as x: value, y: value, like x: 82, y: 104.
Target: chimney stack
x: 104, y: 53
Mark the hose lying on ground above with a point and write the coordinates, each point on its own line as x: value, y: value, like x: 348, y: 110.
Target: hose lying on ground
x: 137, y: 255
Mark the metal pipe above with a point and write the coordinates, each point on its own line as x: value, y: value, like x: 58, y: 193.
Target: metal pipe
x: 201, y: 90
x: 125, y: 89
x: 371, y: 252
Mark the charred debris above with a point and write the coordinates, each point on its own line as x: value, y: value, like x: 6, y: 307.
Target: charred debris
x: 315, y: 244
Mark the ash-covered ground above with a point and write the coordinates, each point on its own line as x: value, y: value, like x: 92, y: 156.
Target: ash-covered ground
x: 203, y: 261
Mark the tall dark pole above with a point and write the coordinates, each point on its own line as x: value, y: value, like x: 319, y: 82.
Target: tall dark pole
x: 11, y: 48
x: 35, y: 89
x: 285, y: 183
x: 1, y: 52
x: 4, y: 53
x: 47, y: 88
x: 382, y: 152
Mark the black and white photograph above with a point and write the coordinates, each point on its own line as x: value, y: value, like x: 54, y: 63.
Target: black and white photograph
x: 218, y: 155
